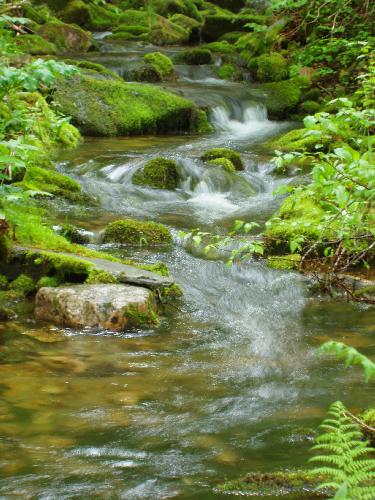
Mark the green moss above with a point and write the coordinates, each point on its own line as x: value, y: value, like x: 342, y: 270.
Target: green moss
x: 39, y: 15
x: 161, y: 65
x: 226, y: 164
x: 299, y: 215
x: 66, y: 37
x: 23, y: 285
x: 159, y: 173
x: 301, y: 483
x: 227, y: 71
x: 194, y: 57
x: 68, y: 135
x: 168, y: 7
x: 294, y: 140
x: 220, y: 48
x: 140, y: 316
x: 133, y: 30
x: 91, y: 68
x: 171, y: 293
x: 110, y: 108
x: 50, y: 181
x: 48, y: 281
x: 96, y: 276
x: 135, y: 232
x: 78, y: 12
x: 203, y: 126
x: 283, y: 97
x: 366, y: 291
x: 310, y: 107
x: 3, y: 282
x: 72, y: 234
x: 186, y: 22
x: 35, y: 45
x: 270, y: 67
x: 290, y: 261
x: 227, y: 153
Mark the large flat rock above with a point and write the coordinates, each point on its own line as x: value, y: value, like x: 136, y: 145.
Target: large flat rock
x: 113, y: 307
x: 122, y: 272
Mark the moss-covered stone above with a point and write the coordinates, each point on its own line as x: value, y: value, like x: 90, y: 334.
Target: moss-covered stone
x: 221, y: 48
x: 227, y: 71
x: 35, y: 45
x: 169, y: 7
x: 296, y: 484
x: 224, y: 163
x: 192, y: 26
x: 135, y: 232
x: 161, y: 30
x: 40, y: 14
x: 23, y: 285
x: 269, y: 67
x: 203, y: 126
x: 194, y: 57
x: 294, y: 140
x: 283, y: 97
x: 51, y: 281
x: 96, y: 69
x: 90, y: 15
x: 310, y: 107
x: 73, y: 234
x: 110, y: 108
x: 3, y: 282
x: 159, y: 173
x: 227, y: 153
x: 50, y: 181
x: 66, y: 37
x: 157, y: 67
x: 299, y: 215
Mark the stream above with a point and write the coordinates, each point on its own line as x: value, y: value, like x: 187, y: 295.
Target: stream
x: 229, y: 382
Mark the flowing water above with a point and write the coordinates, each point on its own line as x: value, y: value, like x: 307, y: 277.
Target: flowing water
x: 229, y: 382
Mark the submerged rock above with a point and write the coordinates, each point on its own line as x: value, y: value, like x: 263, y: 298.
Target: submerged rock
x: 114, y: 307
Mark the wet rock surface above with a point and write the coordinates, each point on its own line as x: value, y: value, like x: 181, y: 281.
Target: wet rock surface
x: 113, y: 307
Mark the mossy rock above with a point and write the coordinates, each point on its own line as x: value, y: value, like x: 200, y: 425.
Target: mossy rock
x: 228, y: 72
x: 3, y: 282
x: 39, y: 14
x: 73, y: 234
x: 35, y: 45
x: 294, y: 140
x: 156, y: 68
x: 194, y: 57
x: 111, y: 108
x: 96, y: 69
x: 310, y: 107
x: 52, y: 281
x: 269, y: 68
x: 135, y: 232
x: 68, y: 38
x: 161, y: 30
x: 51, y: 182
x: 299, y: 215
x: 89, y: 15
x: 224, y: 163
x: 221, y: 48
x: 283, y: 97
x: 192, y: 26
x: 203, y: 126
x: 167, y: 8
x: 158, y: 173
x: 23, y: 285
x: 227, y: 153
x: 290, y: 484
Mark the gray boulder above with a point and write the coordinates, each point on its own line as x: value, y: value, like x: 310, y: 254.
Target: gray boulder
x: 109, y: 306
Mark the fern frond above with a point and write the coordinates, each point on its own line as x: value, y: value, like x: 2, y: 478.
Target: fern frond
x: 351, y: 357
x: 347, y: 461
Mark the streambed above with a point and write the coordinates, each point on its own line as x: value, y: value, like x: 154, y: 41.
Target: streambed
x: 230, y: 380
